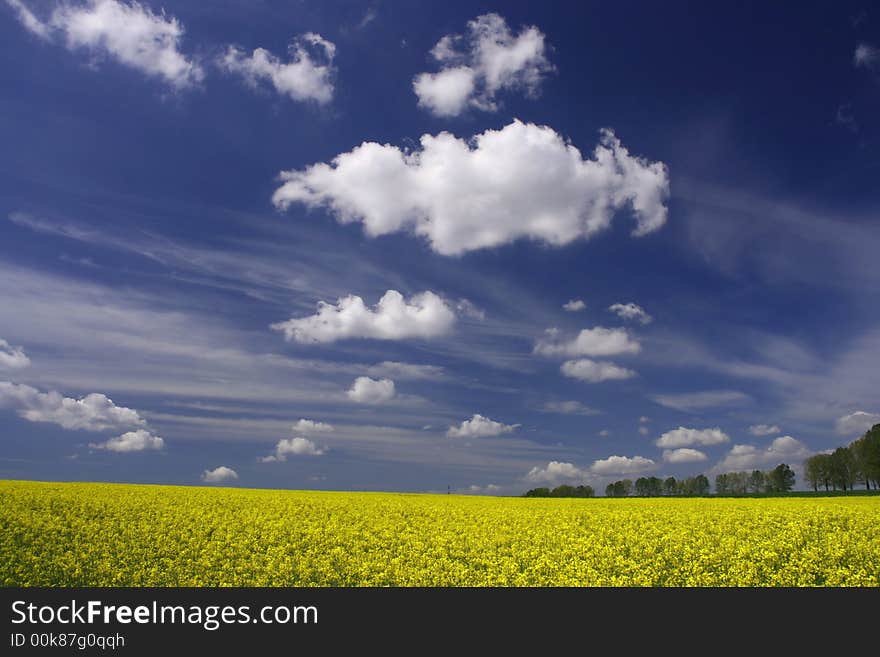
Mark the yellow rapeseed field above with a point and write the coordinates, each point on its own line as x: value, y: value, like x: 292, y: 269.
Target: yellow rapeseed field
x: 63, y: 534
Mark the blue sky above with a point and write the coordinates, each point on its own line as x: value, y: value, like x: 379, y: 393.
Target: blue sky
x: 202, y: 205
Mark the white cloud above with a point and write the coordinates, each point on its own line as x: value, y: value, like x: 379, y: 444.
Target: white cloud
x: 644, y: 419
x: 569, y: 408
x: 219, y: 475
x: 12, y: 358
x: 621, y: 465
x: 292, y: 447
x: 308, y: 76
x: 424, y: 315
x: 365, y: 390
x: 555, y: 472
x: 593, y: 371
x: 644, y: 431
x: 94, y: 412
x: 604, y: 433
x: 596, y: 341
x: 469, y: 309
x: 683, y: 437
x: 631, y: 312
x: 480, y: 427
x: 522, y: 181
x: 683, y: 455
x: 784, y: 449
x: 129, y: 33
x: 27, y: 18
x: 574, y: 305
x: 131, y: 441
x: 489, y: 489
x: 764, y: 429
x: 694, y: 401
x: 476, y: 66
x: 406, y: 371
x: 310, y: 426
x: 867, y: 56
x: 856, y: 423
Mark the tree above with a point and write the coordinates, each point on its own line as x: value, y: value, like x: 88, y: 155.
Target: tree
x: 843, y: 469
x: 538, y: 492
x: 721, y: 485
x: 643, y: 488
x: 757, y: 482
x: 562, y: 491
x: 813, y: 471
x: 701, y: 484
x: 669, y: 486
x: 626, y: 487
x: 780, y: 479
x: 584, y: 491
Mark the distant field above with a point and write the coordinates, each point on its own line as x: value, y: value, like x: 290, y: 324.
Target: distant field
x: 60, y: 534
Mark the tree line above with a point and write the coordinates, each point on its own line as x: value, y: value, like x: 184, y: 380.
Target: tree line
x: 845, y: 467
x: 780, y: 479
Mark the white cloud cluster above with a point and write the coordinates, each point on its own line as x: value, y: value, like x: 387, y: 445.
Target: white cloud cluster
x: 522, y: 181
x: 129, y: 33
x: 219, y: 475
x: 764, y: 429
x: 365, y: 390
x: 480, y: 427
x: 292, y: 447
x: 746, y: 457
x: 311, y: 426
x: 406, y: 371
x: 555, y: 472
x: 683, y: 455
x: 476, y: 66
x: 424, y: 315
x: 622, y: 465
x: 867, y: 56
x: 695, y: 401
x: 131, y: 441
x: 593, y: 371
x: 683, y: 437
x: 596, y: 341
x: 574, y: 305
x: 488, y: 489
x: 569, y: 407
x: 12, y: 358
x: 94, y: 412
x: 856, y: 423
x: 631, y: 312
x: 307, y: 76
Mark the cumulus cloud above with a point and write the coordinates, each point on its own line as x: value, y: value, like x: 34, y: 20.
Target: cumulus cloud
x: 631, y: 312
x: 424, y: 315
x: 695, y: 401
x: 480, y: 427
x: 292, y: 447
x: 131, y: 34
x: 555, y: 472
x: 131, y: 441
x: 570, y: 407
x: 406, y: 371
x: 764, y: 429
x: 683, y: 437
x: 219, y: 475
x: 12, y: 358
x: 29, y: 20
x: 596, y: 341
x: 522, y: 181
x: 310, y: 426
x: 683, y: 455
x: 477, y: 65
x: 94, y: 412
x: 574, y: 305
x: 784, y: 449
x: 856, y: 423
x: 593, y: 371
x: 622, y: 465
x: 867, y: 56
x: 307, y: 76
x: 365, y: 390
x: 489, y: 489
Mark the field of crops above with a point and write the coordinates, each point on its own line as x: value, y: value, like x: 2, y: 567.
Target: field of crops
x: 60, y: 534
